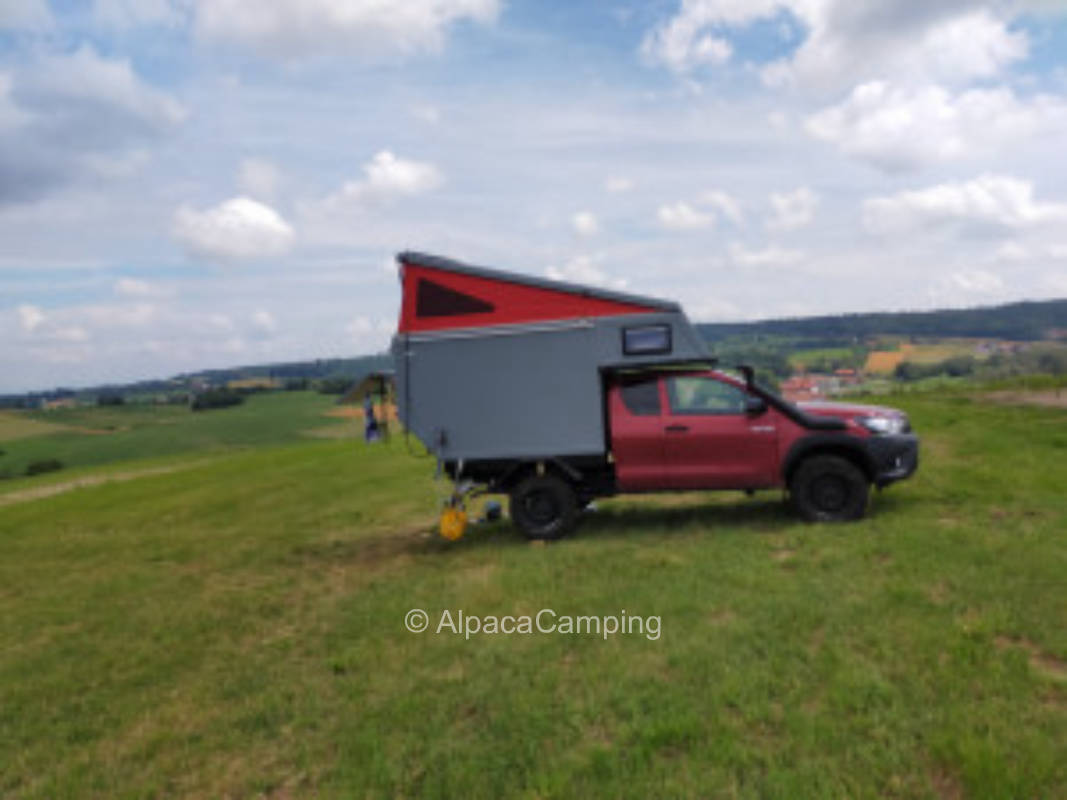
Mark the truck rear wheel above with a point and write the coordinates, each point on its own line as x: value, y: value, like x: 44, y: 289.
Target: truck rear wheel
x: 544, y: 507
x: 829, y: 489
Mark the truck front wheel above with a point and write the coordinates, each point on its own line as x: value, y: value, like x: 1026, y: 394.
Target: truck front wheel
x: 544, y: 507
x: 829, y: 489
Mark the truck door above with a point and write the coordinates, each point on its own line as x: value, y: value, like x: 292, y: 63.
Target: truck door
x: 637, y: 433
x: 711, y: 441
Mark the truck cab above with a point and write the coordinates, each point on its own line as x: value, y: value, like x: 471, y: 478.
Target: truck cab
x: 707, y: 429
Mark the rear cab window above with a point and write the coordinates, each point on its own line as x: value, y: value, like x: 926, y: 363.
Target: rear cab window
x: 641, y: 396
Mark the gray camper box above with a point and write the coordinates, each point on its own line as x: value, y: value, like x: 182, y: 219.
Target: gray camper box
x: 493, y: 365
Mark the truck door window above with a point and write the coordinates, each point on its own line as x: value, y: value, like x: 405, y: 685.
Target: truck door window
x: 641, y: 398
x: 692, y: 394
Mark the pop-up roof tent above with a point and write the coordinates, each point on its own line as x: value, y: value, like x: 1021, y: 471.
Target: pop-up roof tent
x: 496, y: 365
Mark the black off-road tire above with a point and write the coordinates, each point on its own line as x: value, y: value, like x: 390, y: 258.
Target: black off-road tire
x: 544, y: 507
x: 829, y: 489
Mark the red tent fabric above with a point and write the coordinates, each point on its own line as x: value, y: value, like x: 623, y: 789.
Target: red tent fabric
x: 440, y: 299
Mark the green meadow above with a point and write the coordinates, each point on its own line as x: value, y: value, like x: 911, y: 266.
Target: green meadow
x: 213, y: 605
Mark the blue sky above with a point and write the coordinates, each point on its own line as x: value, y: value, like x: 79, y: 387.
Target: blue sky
x: 195, y: 183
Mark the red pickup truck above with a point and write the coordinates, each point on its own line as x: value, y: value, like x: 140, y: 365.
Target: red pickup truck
x: 557, y: 393
x: 694, y: 429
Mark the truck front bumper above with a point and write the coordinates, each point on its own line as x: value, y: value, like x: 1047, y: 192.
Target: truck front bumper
x: 895, y: 457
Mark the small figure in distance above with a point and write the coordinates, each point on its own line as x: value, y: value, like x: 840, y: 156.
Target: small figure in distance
x: 371, y: 432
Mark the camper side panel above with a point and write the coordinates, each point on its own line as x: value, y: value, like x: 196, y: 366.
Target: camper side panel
x: 528, y: 395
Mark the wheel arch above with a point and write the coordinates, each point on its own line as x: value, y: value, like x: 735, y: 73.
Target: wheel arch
x: 846, y: 447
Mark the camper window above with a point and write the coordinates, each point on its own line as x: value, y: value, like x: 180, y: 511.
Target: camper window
x: 434, y: 300
x: 646, y: 340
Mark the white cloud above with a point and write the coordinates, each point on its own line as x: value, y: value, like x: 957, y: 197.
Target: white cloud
x: 617, y: 184
x: 694, y: 36
x: 64, y: 117
x: 681, y: 216
x: 986, y: 201
x: 30, y: 318
x: 264, y: 322
x: 585, y: 223
x: 259, y: 178
x: 846, y: 40
x: 793, y: 210
x: 387, y: 177
x: 11, y: 116
x: 85, y: 81
x: 898, y: 128
x: 725, y: 204
x: 29, y: 15
x: 585, y: 269
x: 238, y: 229
x: 770, y: 256
x: 367, y: 29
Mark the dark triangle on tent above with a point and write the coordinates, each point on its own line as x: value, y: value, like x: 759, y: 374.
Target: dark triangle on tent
x: 434, y: 300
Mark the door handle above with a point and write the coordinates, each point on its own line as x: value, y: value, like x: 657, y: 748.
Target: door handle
x: 677, y: 429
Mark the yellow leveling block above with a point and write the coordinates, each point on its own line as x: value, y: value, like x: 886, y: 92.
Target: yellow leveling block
x: 453, y: 523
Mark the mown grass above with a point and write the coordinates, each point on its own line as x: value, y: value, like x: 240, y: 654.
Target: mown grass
x: 236, y: 629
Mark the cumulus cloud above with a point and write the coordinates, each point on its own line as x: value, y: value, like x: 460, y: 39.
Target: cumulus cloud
x: 84, y: 83
x: 898, y: 128
x: 845, y: 40
x: 263, y: 323
x: 30, y: 318
x: 793, y: 210
x: 26, y: 15
x: 368, y: 29
x: 989, y: 201
x: 585, y: 223
x: 239, y: 229
x: 723, y: 203
x: 67, y: 116
x: 259, y: 178
x: 387, y: 177
x: 585, y: 269
x: 681, y: 216
x: 617, y: 184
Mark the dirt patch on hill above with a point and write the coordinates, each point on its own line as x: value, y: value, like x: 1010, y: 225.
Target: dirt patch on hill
x: 1041, y: 662
x: 40, y: 492
x: 1049, y: 398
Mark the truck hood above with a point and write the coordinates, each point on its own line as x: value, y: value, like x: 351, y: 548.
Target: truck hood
x: 848, y: 410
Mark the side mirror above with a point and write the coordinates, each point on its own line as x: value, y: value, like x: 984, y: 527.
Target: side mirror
x: 755, y: 405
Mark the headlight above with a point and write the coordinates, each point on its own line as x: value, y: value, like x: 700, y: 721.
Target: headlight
x: 884, y: 425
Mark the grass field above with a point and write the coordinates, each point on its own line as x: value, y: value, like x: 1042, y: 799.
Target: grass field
x: 91, y: 436
x: 234, y: 627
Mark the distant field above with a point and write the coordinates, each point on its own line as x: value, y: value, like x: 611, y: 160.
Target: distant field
x: 804, y: 358
x: 885, y: 361
x: 83, y: 437
x: 14, y: 426
x: 234, y: 628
